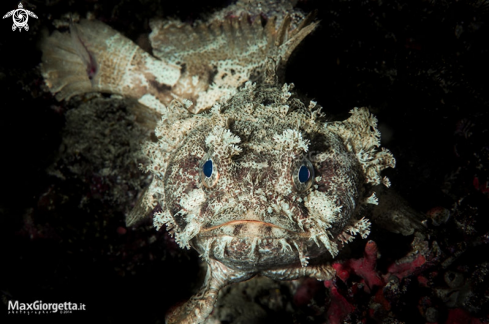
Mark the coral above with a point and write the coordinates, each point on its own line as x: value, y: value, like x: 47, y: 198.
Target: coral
x: 364, y: 267
x: 402, y: 269
x: 460, y: 316
x: 382, y: 288
x: 339, y: 308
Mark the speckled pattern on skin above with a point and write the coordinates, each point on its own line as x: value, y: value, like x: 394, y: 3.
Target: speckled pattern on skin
x: 285, y: 190
x: 252, y: 212
x: 253, y: 215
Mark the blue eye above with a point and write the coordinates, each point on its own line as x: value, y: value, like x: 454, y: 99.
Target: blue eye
x: 207, y: 168
x: 304, y: 174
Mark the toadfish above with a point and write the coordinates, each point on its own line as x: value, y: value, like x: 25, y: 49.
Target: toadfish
x: 245, y: 171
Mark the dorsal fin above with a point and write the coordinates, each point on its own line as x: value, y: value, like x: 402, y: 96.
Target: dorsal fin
x: 226, y: 52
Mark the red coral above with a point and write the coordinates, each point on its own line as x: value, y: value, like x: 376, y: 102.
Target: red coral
x: 380, y: 299
x: 423, y: 281
x: 460, y: 316
x: 482, y: 187
x: 365, y: 267
x: 402, y: 270
x: 339, y: 308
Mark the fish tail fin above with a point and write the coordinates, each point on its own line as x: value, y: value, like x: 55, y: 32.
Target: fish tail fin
x: 93, y: 57
x: 63, y: 70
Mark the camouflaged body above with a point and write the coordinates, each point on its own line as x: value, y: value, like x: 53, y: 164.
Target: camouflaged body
x: 215, y: 89
x: 253, y: 213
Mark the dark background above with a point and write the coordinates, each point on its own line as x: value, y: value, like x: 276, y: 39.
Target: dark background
x: 420, y: 66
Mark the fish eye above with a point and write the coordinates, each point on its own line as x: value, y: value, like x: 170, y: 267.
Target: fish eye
x: 207, y: 168
x: 208, y: 171
x: 303, y: 174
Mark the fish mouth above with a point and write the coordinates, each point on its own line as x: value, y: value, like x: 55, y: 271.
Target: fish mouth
x: 251, y: 229
x: 252, y: 245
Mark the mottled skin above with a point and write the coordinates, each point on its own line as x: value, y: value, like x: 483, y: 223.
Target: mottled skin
x: 254, y: 215
x: 287, y: 189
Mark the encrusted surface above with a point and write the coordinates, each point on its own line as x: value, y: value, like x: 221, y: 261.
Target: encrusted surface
x: 251, y: 214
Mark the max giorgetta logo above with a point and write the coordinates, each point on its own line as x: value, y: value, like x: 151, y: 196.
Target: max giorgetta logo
x: 20, y: 16
x: 38, y: 307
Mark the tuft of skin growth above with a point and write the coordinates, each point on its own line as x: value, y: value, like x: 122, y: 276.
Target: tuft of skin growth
x: 253, y: 213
